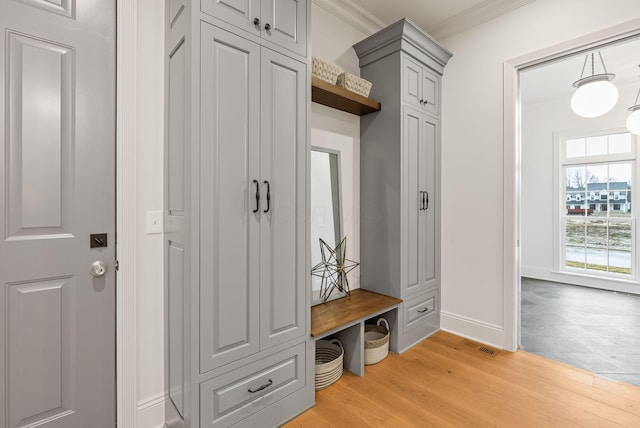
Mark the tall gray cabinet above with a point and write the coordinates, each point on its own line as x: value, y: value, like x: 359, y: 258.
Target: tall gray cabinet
x: 236, y: 245
x: 400, y: 176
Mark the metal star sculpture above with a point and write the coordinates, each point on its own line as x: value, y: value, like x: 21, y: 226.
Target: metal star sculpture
x: 333, y: 269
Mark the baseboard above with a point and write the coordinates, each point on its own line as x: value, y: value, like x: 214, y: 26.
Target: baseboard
x: 620, y: 286
x: 479, y: 331
x: 151, y: 411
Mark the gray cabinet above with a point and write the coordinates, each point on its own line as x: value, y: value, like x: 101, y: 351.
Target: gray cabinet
x: 283, y: 22
x: 238, y: 346
x: 400, y: 177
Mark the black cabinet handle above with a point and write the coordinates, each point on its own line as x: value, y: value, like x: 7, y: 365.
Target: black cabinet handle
x: 256, y: 21
x: 257, y: 196
x: 268, y: 196
x: 423, y: 310
x: 267, y: 26
x: 266, y: 385
x: 426, y: 206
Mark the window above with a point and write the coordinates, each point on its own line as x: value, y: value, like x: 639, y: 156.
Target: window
x: 599, y: 240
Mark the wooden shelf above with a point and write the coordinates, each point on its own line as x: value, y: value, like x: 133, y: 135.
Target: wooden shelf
x: 339, y: 98
x: 339, y: 313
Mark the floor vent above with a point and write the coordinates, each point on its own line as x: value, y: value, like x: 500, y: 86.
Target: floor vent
x: 489, y: 352
x: 486, y: 350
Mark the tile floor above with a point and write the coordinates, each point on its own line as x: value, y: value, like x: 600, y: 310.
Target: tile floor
x: 595, y: 330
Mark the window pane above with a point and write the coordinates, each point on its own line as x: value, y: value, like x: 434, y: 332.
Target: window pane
x: 574, y: 257
x: 575, y: 232
x: 620, y: 190
x: 576, y: 148
x: 575, y: 191
x: 620, y: 143
x: 620, y: 246
x: 597, y: 259
x: 597, y: 234
x: 597, y: 145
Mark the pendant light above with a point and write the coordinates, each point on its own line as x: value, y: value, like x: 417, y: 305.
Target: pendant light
x: 596, y: 95
x: 633, y: 121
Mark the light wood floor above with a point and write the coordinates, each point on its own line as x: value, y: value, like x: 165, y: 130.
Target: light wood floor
x: 446, y: 381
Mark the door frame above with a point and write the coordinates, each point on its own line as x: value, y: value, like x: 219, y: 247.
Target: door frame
x: 511, y: 159
x: 126, y: 211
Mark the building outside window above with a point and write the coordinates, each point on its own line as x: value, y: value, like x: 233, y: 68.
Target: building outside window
x: 598, y: 238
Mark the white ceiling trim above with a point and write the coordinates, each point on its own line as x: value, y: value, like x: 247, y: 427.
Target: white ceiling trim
x: 476, y: 15
x: 352, y: 14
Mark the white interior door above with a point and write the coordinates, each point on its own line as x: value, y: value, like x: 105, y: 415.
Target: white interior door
x: 57, y: 167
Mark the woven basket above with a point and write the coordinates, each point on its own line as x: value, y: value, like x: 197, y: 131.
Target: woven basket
x: 329, y: 356
x: 376, y: 342
x: 324, y: 71
x: 354, y: 84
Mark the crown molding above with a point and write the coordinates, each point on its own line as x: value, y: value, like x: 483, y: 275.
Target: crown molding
x: 474, y: 16
x: 352, y: 14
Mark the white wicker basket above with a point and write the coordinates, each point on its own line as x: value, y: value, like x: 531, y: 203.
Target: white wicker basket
x: 324, y: 71
x: 354, y: 84
x: 376, y: 342
x: 329, y: 356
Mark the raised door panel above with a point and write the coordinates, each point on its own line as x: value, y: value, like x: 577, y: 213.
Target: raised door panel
x: 240, y: 13
x: 283, y: 215
x: 427, y: 226
x: 411, y: 213
x: 229, y: 199
x: 287, y: 21
x: 430, y: 92
x: 411, y: 82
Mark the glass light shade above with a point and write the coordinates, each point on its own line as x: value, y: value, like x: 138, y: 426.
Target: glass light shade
x: 633, y: 122
x: 594, y: 98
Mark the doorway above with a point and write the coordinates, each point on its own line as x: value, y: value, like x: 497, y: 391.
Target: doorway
x: 517, y: 259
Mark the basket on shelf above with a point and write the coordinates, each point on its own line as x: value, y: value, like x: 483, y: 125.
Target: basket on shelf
x: 354, y: 84
x: 376, y: 342
x: 329, y: 356
x: 324, y: 71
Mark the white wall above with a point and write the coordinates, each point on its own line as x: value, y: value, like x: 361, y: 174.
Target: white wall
x: 540, y: 122
x: 472, y: 163
x: 149, y: 184
x: 331, y: 41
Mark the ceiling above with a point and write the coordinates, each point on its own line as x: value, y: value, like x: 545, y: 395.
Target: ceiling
x: 554, y: 80
x: 440, y: 18
x: 444, y: 18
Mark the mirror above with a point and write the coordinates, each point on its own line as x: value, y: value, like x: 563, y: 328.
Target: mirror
x: 326, y: 216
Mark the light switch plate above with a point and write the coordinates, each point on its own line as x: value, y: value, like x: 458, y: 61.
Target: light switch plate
x: 154, y: 222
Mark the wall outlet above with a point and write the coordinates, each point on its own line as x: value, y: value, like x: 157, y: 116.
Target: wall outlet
x: 154, y: 222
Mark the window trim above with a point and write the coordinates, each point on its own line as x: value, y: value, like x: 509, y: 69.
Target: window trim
x: 560, y: 163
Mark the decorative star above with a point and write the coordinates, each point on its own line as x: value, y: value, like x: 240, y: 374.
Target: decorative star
x: 333, y: 269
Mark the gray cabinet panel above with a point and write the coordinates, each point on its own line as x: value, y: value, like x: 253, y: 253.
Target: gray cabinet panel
x: 400, y: 166
x: 230, y: 209
x: 282, y: 22
x: 240, y: 13
x: 236, y: 153
x: 283, y: 182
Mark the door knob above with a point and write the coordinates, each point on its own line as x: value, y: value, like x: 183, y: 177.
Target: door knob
x: 98, y: 268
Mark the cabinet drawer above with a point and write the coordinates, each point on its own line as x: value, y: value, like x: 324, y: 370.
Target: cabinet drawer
x: 418, y: 308
x: 236, y: 395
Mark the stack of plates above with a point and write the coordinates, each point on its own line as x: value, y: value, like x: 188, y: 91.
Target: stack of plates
x: 329, y: 356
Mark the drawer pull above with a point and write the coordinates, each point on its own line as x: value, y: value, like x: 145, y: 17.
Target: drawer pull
x: 266, y: 385
x: 423, y: 310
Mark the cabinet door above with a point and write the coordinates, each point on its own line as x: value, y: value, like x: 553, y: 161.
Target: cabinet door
x: 240, y: 13
x: 427, y: 227
x: 411, y: 82
x: 287, y: 23
x: 430, y: 92
x: 229, y: 216
x: 283, y: 271
x: 412, y: 211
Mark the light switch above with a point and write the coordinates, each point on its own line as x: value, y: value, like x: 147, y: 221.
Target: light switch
x: 154, y: 222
